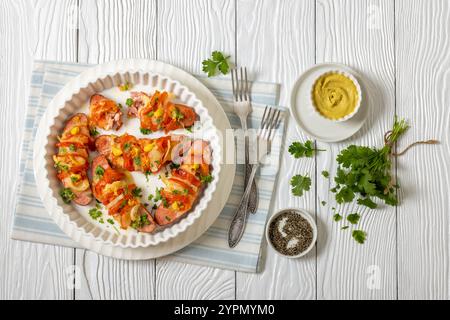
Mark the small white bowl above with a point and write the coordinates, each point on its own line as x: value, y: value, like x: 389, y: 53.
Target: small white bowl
x: 358, y: 89
x: 306, y: 216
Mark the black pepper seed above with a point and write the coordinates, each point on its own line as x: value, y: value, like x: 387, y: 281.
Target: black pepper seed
x: 297, y: 231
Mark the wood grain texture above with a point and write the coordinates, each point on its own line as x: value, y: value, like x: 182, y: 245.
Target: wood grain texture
x: 188, y: 31
x: 423, y: 96
x: 112, y: 30
x: 28, y: 271
x: 361, y: 35
x: 275, y: 40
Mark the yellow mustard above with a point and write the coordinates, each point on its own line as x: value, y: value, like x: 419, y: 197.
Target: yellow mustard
x: 335, y: 96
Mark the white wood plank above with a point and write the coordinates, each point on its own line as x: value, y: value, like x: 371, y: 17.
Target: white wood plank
x: 350, y: 32
x: 423, y: 97
x: 276, y: 43
x: 188, y: 31
x: 112, y: 30
x: 28, y: 271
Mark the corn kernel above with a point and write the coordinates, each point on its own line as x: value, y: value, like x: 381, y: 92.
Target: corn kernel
x: 74, y: 130
x: 149, y: 147
x: 116, y: 151
x: 159, y: 113
x: 175, y: 206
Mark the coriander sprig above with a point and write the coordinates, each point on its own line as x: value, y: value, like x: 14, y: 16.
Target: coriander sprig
x: 218, y: 61
x: 303, y: 150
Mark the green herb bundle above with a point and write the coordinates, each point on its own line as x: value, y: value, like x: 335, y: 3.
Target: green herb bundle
x: 366, y: 172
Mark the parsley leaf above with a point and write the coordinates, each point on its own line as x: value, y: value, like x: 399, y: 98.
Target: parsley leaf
x: 99, y: 171
x: 206, y: 179
x: 302, y: 150
x: 367, y: 202
x: 93, y: 131
x: 95, y: 213
x: 345, y: 195
x: 300, y: 184
x: 145, y: 131
x: 217, y: 62
x: 353, y: 218
x: 67, y: 195
x: 337, y: 217
x: 325, y: 174
x: 359, y: 236
x: 136, y: 192
x: 129, y: 102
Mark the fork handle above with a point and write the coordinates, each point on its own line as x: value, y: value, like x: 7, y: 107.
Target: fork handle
x: 253, y: 198
x: 239, y: 220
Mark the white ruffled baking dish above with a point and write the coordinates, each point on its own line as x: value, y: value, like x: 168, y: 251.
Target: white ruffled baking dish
x: 69, y: 101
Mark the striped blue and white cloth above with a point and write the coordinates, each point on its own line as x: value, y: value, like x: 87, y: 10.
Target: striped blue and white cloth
x: 32, y: 223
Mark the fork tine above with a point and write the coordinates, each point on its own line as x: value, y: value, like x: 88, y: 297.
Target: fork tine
x: 247, y: 94
x: 241, y: 84
x: 264, y: 115
x: 233, y: 85
x: 275, y: 125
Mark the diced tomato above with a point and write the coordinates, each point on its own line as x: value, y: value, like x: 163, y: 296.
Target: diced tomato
x: 111, y: 175
x: 183, y: 175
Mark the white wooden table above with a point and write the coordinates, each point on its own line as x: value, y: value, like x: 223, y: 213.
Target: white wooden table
x: 403, y: 49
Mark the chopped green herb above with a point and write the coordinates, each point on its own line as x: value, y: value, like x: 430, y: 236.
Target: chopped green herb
x: 126, y: 146
x: 344, y: 228
x: 123, y: 204
x: 137, y: 192
x: 150, y: 114
x: 176, y: 192
x: 61, y: 167
x: 337, y: 217
x: 359, y: 236
x: 206, y: 179
x: 137, y: 161
x: 145, y: 131
x: 72, y: 147
x: 325, y: 173
x: 95, y: 213
x: 140, y: 222
x: 110, y: 221
x: 189, y: 129
x: 177, y: 115
x: 150, y: 197
x: 129, y: 102
x: 157, y: 195
x: 164, y: 202
x: 300, y: 184
x: 93, y: 131
x: 99, y: 171
x: 324, y: 203
x: 367, y: 202
x: 217, y: 62
x: 67, y: 195
x: 125, y: 87
x: 353, y: 218
x: 74, y: 179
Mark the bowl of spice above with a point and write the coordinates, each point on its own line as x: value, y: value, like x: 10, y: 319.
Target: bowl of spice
x: 292, y: 233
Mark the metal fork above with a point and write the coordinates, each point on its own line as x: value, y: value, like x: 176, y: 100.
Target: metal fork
x: 242, y: 107
x: 270, y: 121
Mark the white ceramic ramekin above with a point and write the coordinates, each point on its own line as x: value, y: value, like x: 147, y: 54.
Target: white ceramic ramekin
x: 303, y: 214
x: 358, y: 89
